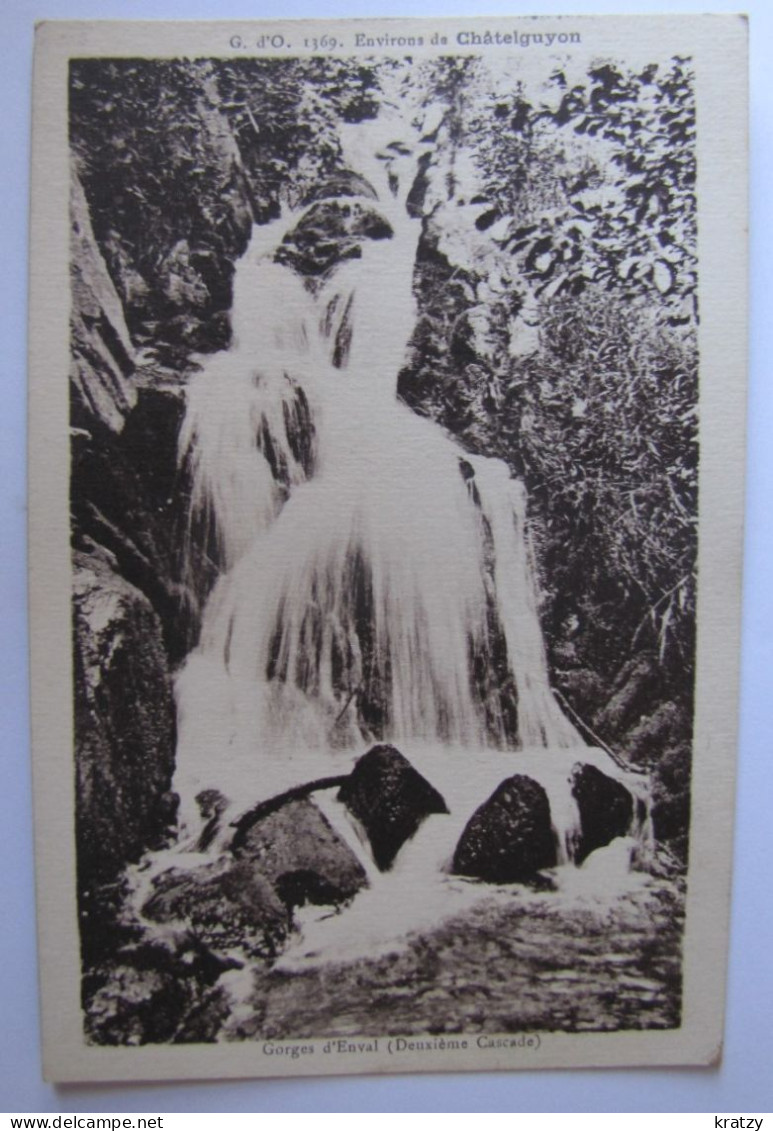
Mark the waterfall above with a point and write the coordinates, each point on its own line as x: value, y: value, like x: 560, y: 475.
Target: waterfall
x: 376, y: 579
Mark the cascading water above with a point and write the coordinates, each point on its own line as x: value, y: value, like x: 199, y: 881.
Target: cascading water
x: 377, y: 582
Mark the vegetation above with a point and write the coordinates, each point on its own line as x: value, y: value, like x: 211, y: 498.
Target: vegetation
x: 557, y: 332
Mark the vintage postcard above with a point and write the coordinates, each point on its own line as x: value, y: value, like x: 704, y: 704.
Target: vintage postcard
x: 385, y: 541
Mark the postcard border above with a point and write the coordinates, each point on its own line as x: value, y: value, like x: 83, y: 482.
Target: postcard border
x: 718, y: 45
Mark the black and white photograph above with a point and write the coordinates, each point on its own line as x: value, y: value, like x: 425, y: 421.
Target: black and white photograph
x: 379, y: 466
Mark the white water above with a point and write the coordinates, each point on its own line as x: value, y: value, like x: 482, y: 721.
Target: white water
x: 358, y: 585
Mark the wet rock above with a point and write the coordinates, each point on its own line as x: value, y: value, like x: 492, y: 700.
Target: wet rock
x: 656, y: 732
x: 124, y: 721
x: 339, y: 184
x: 390, y: 799
x: 510, y: 838
x: 296, y: 850
x: 223, y: 906
x: 212, y: 805
x: 606, y: 809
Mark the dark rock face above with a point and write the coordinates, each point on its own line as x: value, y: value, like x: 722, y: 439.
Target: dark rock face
x: 606, y: 809
x: 296, y: 850
x: 169, y: 235
x: 510, y: 837
x: 124, y: 721
x: 224, y: 907
x: 102, y: 350
x: 390, y: 799
x: 128, y: 496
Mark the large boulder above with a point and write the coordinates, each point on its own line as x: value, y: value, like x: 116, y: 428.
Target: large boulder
x: 124, y: 721
x: 224, y: 906
x: 510, y: 838
x: 666, y: 726
x: 296, y: 850
x: 390, y: 799
x: 606, y: 809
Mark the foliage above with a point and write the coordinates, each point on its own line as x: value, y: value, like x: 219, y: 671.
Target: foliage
x: 605, y: 421
x: 564, y: 343
x: 617, y: 207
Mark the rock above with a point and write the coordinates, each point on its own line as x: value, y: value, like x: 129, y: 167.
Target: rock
x: 583, y: 688
x: 296, y: 850
x: 212, y: 805
x: 224, y: 907
x: 128, y: 495
x: 181, y: 283
x: 330, y: 232
x: 101, y: 348
x: 134, y: 1007
x: 510, y: 838
x: 390, y: 799
x: 124, y: 721
x: 338, y: 184
x: 150, y: 993
x: 206, y: 1021
x: 635, y: 692
x: 606, y: 809
x: 130, y: 284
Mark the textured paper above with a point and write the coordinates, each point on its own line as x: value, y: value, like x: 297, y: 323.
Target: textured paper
x: 133, y: 291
